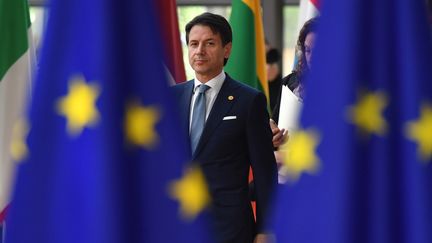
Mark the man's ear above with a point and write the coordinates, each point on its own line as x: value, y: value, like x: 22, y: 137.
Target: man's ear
x: 227, y: 49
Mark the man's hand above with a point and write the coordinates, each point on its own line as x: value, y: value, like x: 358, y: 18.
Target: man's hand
x: 279, y: 135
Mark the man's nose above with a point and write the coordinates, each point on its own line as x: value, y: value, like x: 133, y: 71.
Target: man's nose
x: 201, y: 48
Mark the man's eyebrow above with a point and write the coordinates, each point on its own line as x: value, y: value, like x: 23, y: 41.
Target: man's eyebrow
x: 209, y: 39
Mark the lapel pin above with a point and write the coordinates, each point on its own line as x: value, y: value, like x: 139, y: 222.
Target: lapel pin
x: 230, y: 97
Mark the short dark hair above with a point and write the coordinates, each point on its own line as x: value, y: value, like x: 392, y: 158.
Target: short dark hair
x: 218, y: 24
x: 272, y: 56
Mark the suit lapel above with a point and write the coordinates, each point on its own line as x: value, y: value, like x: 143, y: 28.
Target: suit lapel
x: 221, y: 106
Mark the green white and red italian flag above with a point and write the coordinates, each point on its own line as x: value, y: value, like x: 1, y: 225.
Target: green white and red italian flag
x: 247, y: 61
x: 16, y: 62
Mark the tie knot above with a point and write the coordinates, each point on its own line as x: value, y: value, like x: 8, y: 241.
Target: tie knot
x: 202, y: 88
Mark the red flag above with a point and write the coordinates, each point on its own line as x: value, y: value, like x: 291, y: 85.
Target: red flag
x: 167, y: 10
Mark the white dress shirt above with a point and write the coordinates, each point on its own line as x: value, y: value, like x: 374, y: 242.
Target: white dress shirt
x: 215, y: 85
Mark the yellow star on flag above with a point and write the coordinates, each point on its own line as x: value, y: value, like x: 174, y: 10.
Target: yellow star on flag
x: 367, y: 114
x: 191, y: 192
x: 18, y: 147
x: 140, y: 125
x: 421, y: 132
x: 299, y: 154
x: 79, y: 105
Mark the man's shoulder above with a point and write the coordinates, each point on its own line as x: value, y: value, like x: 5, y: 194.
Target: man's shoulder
x: 181, y: 89
x: 242, y: 87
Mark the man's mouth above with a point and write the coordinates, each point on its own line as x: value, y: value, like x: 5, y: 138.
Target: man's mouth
x: 199, y: 61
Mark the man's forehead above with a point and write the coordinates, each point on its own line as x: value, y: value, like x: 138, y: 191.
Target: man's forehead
x: 204, y: 30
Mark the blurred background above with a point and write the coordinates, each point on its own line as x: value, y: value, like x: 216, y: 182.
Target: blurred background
x: 280, y: 19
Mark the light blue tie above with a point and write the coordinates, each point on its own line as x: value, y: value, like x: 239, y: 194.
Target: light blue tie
x: 198, y: 116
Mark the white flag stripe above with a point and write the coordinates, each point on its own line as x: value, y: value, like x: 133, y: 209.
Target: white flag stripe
x: 15, y: 89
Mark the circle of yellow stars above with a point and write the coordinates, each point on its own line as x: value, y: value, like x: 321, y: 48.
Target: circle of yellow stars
x: 79, y: 109
x: 79, y: 105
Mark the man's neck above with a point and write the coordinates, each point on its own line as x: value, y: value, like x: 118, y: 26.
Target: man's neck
x: 205, y: 78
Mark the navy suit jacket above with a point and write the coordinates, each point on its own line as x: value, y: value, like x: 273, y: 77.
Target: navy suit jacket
x: 226, y: 150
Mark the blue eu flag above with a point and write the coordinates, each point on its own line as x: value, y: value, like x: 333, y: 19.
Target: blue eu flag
x: 104, y: 158
x: 360, y: 168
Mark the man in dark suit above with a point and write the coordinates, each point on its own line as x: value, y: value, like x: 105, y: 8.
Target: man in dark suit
x: 229, y: 131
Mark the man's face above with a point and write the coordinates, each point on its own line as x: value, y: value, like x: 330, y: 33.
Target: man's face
x: 206, y: 52
x: 272, y: 71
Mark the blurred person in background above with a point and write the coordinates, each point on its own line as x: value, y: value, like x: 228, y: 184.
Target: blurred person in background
x: 274, y: 76
x: 295, y: 80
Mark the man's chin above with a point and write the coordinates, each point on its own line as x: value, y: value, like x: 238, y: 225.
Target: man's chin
x: 200, y: 70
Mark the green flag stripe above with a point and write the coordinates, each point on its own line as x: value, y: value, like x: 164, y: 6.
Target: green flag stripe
x: 242, y: 62
x: 14, y: 23
x: 27, y: 14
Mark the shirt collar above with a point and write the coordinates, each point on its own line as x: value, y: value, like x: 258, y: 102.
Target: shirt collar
x: 214, y: 83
